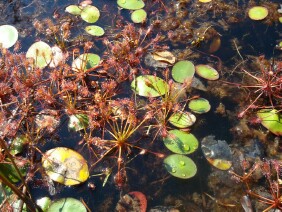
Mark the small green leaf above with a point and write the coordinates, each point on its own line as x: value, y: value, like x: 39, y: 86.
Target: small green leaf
x: 73, y: 9
x: 139, y: 16
x: 183, y: 71
x: 9, y: 36
x: 67, y: 205
x: 207, y: 72
x: 131, y: 4
x: 181, y: 142
x: 180, y: 166
x: 182, y: 119
x: 149, y: 86
x: 199, y: 105
x: 41, y: 52
x: 90, y: 14
x: 95, y: 30
x: 271, y: 120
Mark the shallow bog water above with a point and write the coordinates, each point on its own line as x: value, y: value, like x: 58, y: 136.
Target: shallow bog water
x: 185, y: 28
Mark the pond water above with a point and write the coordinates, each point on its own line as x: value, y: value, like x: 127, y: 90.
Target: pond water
x: 217, y: 33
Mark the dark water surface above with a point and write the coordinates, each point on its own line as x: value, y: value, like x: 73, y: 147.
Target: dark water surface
x: 146, y: 172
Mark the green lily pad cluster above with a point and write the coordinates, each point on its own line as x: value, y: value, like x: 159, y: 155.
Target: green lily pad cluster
x: 183, y: 71
x: 139, y: 15
x: 89, y: 14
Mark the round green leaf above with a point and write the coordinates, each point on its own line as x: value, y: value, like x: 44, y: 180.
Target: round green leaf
x: 149, y: 86
x: 41, y: 52
x: 139, y: 16
x: 258, y: 13
x: 207, y: 72
x: 8, y: 36
x: 65, y: 166
x: 90, y: 14
x: 181, y: 142
x: 78, y: 122
x: 73, y: 9
x: 131, y: 4
x: 199, y: 105
x: 182, y: 119
x: 183, y: 70
x: 94, y: 30
x: 271, y: 120
x: 67, y: 205
x: 180, y: 166
x: 85, y: 62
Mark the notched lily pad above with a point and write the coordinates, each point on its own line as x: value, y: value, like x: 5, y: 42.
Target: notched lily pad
x: 65, y: 166
x: 182, y: 119
x: 182, y: 71
x: 217, y: 152
x: 199, y: 105
x: 67, y: 205
x: 207, y: 72
x: 41, y: 53
x: 139, y: 16
x: 181, y: 142
x: 149, y: 86
x: 180, y: 166
x: 258, y: 13
x: 73, y: 9
x: 131, y: 4
x: 95, y: 30
x: 90, y: 14
x: 271, y: 120
x: 9, y: 36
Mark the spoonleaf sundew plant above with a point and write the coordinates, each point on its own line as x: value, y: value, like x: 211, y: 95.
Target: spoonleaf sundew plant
x: 127, y: 111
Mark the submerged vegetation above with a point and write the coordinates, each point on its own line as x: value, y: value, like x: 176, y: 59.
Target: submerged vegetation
x: 110, y: 111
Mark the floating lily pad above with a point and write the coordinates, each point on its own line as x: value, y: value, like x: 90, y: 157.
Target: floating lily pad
x: 217, y: 152
x: 271, y: 120
x: 41, y: 53
x: 95, y: 30
x: 139, y: 16
x: 182, y: 119
x: 8, y: 36
x: 181, y: 142
x: 180, y: 166
x: 44, y: 203
x: 67, y: 205
x: 131, y: 4
x: 183, y: 70
x: 73, y: 9
x: 258, y: 13
x: 78, y: 122
x: 90, y: 14
x: 199, y: 105
x: 65, y: 166
x: 207, y: 72
x: 85, y: 62
x: 149, y: 86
